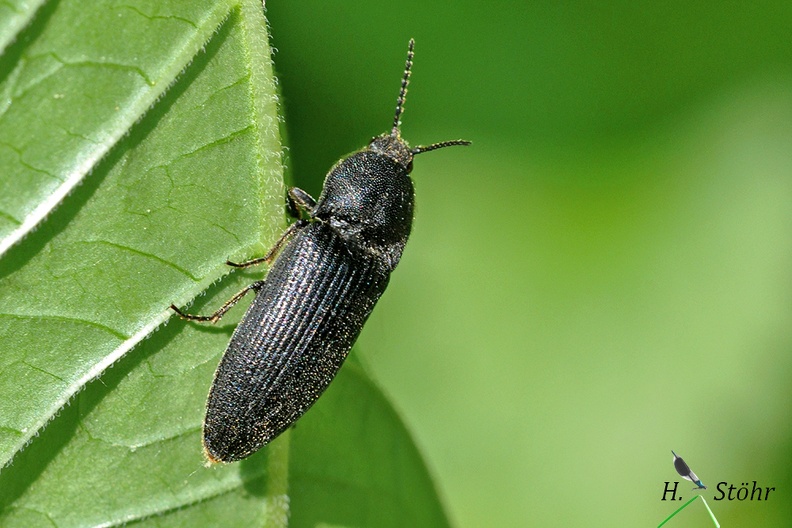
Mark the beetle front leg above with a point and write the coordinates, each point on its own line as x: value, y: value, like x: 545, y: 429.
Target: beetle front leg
x: 300, y: 200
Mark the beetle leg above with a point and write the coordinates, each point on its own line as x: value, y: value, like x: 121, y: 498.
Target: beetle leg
x: 223, y: 309
x: 300, y: 200
x: 299, y: 224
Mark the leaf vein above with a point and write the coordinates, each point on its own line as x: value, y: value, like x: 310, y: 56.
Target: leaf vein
x: 144, y: 254
x: 219, y: 141
x: 159, y: 17
x: 55, y: 317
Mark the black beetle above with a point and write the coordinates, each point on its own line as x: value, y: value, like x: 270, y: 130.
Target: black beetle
x: 329, y: 273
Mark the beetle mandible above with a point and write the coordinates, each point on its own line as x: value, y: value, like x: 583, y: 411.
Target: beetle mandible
x: 327, y: 273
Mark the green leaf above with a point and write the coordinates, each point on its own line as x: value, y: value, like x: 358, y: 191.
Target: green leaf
x: 155, y: 219
x: 139, y: 149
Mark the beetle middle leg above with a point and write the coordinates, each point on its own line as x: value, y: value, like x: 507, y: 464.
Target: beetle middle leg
x: 299, y: 201
x: 299, y: 224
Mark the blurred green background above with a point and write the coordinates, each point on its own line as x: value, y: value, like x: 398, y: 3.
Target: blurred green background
x: 604, y: 275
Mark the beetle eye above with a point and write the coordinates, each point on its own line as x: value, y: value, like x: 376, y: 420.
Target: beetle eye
x: 409, y: 167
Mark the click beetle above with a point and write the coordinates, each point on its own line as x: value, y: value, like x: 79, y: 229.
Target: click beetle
x: 328, y: 271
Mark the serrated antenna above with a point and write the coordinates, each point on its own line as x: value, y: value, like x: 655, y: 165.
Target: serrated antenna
x: 434, y: 146
x: 403, y: 91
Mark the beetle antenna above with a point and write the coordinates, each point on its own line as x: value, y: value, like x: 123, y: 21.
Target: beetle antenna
x: 403, y: 91
x: 435, y: 146
x: 400, y: 107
